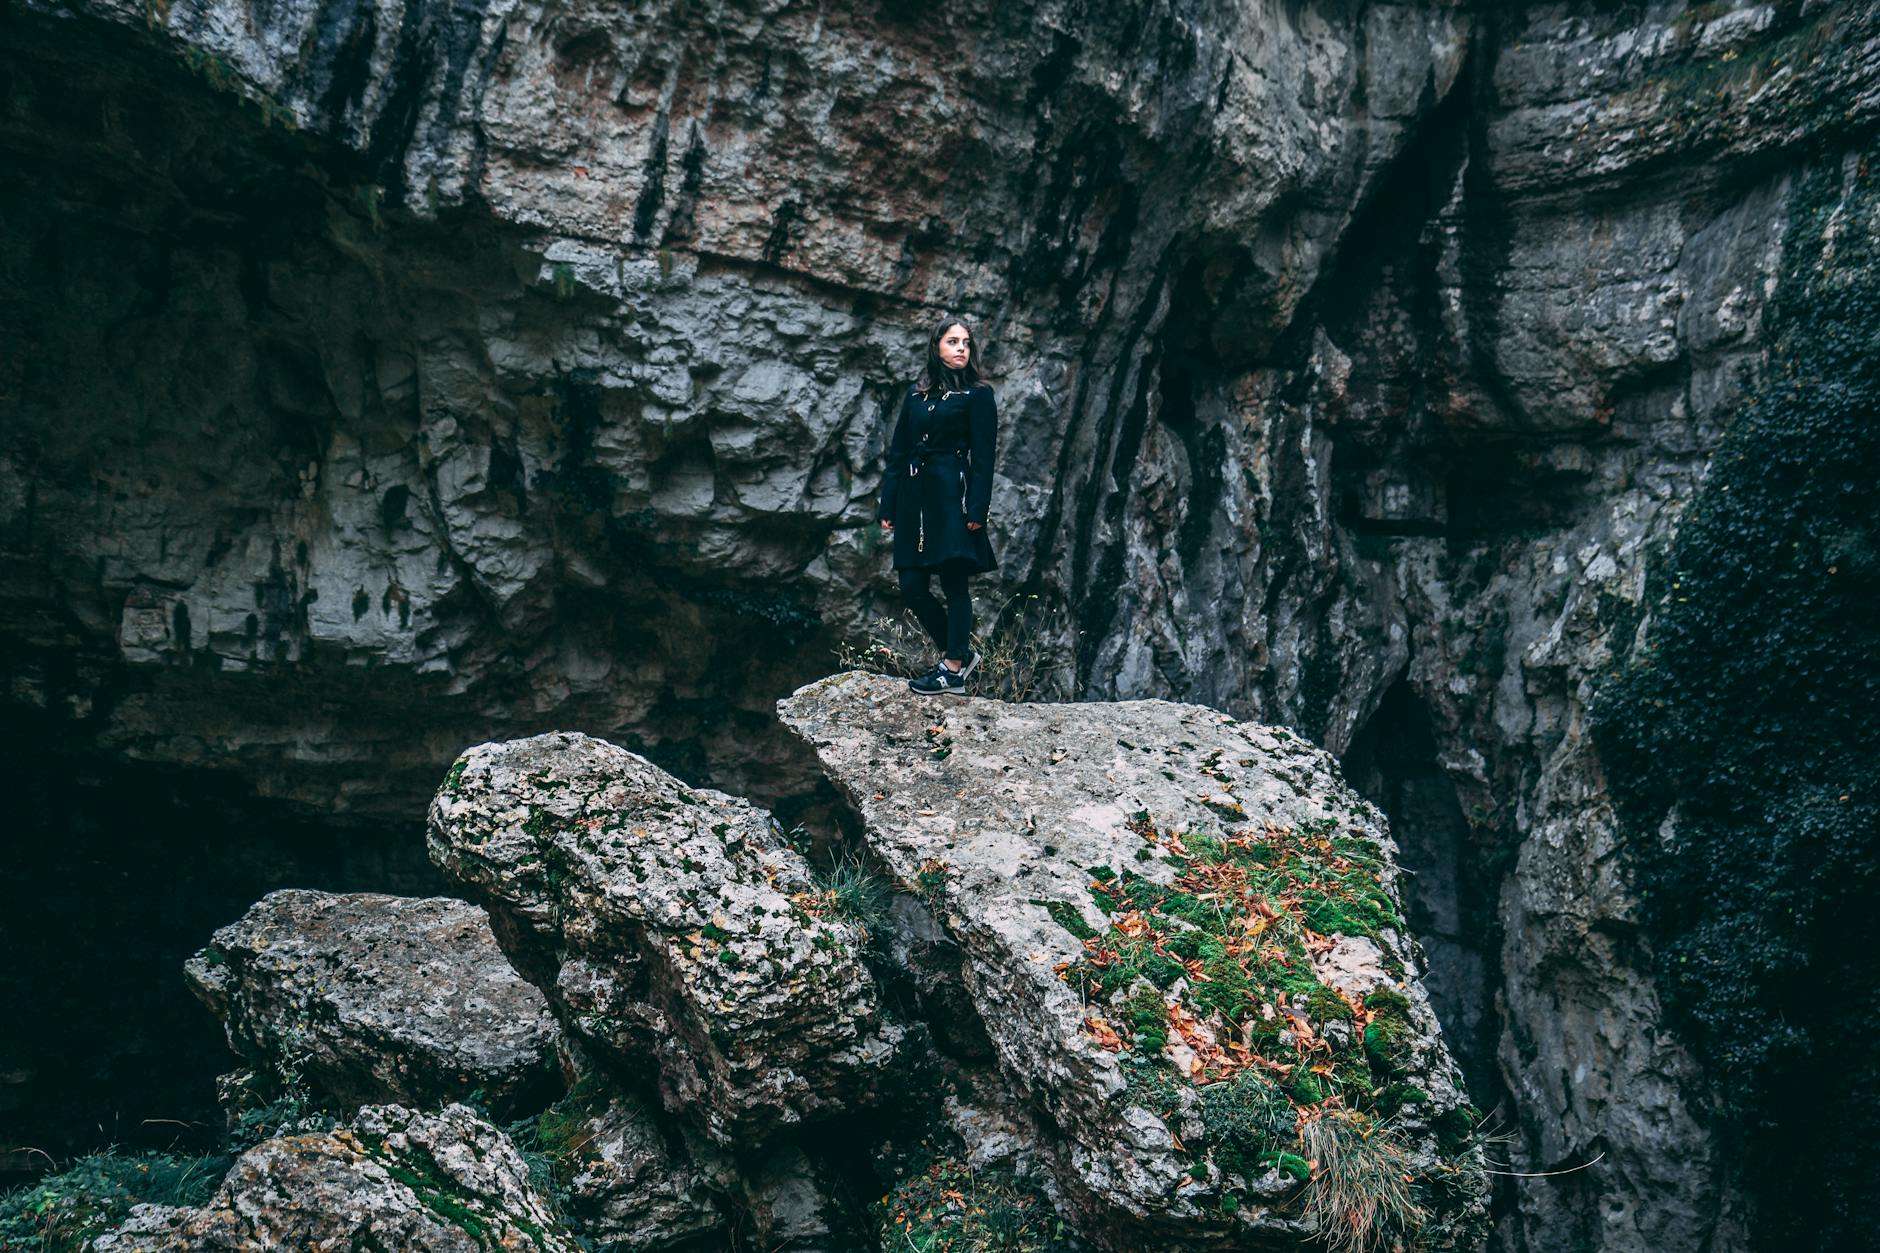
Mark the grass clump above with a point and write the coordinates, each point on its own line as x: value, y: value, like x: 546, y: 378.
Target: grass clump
x: 554, y: 1142
x: 1361, y: 1185
x: 1205, y: 987
x: 853, y: 892
x: 68, y: 1210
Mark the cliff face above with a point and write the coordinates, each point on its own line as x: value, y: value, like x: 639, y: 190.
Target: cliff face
x: 551, y: 392
x: 389, y: 378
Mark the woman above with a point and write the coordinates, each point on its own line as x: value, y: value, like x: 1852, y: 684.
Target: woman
x: 935, y: 490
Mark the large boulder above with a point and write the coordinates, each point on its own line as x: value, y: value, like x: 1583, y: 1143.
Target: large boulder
x: 374, y: 998
x: 1183, y: 936
x: 671, y: 927
x: 392, y: 1179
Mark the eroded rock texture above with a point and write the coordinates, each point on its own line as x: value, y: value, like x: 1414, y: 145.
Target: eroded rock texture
x: 671, y: 927
x: 620, y: 1180
x: 374, y: 998
x: 503, y: 366
x: 1002, y: 814
x: 535, y: 362
x: 390, y: 1179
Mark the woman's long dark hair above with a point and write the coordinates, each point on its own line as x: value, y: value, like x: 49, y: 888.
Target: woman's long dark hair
x: 935, y: 373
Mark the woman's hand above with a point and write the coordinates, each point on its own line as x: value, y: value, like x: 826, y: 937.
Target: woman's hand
x: 974, y: 526
x: 887, y: 525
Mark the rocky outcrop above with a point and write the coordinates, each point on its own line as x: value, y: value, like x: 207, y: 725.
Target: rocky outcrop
x: 371, y: 998
x: 1182, y: 937
x: 671, y: 927
x: 496, y: 367
x: 391, y: 1179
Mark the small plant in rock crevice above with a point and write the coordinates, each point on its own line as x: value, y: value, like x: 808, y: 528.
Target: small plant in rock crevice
x: 847, y: 888
x: 554, y: 1142
x: 945, y: 1205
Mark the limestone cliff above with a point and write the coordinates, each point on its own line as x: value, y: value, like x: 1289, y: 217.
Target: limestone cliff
x: 389, y: 377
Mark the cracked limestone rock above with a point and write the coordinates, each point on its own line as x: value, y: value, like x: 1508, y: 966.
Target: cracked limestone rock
x: 671, y: 927
x: 1007, y: 816
x: 622, y: 1181
x: 392, y: 1179
x: 379, y: 998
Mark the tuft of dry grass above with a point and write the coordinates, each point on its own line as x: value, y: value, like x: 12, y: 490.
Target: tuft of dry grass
x: 1359, y: 1196
x: 1024, y: 654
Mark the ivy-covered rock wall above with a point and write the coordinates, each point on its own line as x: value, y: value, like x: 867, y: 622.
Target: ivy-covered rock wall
x: 1741, y: 740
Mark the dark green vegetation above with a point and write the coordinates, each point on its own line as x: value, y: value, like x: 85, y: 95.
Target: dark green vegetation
x: 67, y: 1210
x: 1289, y: 1076
x: 554, y: 1142
x: 945, y: 1206
x: 1751, y: 718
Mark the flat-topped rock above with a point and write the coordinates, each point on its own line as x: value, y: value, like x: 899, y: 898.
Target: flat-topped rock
x: 375, y: 998
x: 672, y: 928
x: 1182, y: 934
x: 391, y: 1179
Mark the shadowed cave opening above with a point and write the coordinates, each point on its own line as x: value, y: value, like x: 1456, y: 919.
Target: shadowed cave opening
x: 1450, y: 880
x: 195, y: 300
x: 118, y: 873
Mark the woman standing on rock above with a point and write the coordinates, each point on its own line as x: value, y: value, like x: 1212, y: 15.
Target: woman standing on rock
x: 935, y: 490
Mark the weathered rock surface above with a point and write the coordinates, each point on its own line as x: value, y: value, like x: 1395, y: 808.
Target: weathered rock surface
x: 1002, y: 814
x: 375, y: 998
x: 668, y: 926
x: 623, y: 1183
x: 391, y: 1179
x: 596, y: 321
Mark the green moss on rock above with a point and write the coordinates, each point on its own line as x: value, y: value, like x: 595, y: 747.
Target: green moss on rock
x: 1742, y: 748
x: 946, y: 1206
x: 1206, y: 987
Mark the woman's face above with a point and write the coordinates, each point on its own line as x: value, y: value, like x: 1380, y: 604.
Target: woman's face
x: 955, y: 346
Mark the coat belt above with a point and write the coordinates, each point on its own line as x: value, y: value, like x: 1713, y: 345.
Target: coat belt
x: 920, y: 455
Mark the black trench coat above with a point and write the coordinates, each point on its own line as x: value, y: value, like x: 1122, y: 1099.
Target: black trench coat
x: 937, y: 477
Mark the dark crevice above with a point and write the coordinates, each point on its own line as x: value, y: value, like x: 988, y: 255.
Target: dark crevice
x: 653, y: 187
x: 349, y: 48
x: 1095, y: 587
x: 1451, y: 885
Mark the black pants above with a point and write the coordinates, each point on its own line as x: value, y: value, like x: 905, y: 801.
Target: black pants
x: 951, y: 627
